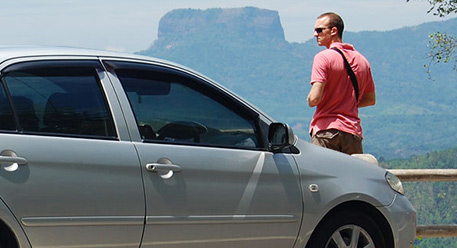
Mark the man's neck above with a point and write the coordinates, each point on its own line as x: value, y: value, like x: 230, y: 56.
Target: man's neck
x: 336, y: 40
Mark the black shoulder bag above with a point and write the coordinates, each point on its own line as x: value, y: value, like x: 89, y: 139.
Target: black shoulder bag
x: 351, y: 74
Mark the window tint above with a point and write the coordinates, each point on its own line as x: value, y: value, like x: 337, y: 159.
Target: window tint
x: 61, y: 97
x: 174, y: 109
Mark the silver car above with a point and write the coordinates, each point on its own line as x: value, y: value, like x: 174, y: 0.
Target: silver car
x: 101, y: 149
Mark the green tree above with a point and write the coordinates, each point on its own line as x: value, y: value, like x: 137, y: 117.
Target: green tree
x: 442, y: 8
x: 442, y: 45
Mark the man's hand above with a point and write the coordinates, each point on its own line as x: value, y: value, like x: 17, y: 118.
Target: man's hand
x: 368, y: 99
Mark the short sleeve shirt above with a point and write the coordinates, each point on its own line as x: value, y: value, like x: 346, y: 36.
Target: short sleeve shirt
x: 338, y: 107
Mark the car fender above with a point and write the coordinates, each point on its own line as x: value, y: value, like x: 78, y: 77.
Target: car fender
x: 329, y: 179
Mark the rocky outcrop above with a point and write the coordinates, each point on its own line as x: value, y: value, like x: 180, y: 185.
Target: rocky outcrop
x: 239, y: 23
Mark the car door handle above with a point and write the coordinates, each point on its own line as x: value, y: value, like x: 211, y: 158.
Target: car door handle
x: 10, y: 161
x: 17, y: 160
x: 156, y: 167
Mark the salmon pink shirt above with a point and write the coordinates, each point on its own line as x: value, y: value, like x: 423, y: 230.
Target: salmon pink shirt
x: 338, y: 107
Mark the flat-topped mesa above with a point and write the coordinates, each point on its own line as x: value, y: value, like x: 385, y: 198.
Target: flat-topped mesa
x: 239, y: 23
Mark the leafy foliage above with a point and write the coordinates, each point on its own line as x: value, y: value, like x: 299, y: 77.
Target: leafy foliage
x: 442, y: 8
x: 443, y: 48
x: 442, y: 45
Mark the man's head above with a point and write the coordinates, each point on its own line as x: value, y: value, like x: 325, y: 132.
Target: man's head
x: 328, y: 29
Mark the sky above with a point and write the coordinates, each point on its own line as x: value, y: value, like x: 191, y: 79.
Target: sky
x: 131, y: 26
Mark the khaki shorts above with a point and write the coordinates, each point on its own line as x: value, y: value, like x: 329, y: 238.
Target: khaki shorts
x: 338, y: 141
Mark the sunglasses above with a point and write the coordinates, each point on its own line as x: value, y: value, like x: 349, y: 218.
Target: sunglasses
x: 319, y: 30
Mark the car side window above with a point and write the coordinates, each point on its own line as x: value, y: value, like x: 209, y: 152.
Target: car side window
x: 6, y: 114
x: 62, y: 98
x: 179, y: 109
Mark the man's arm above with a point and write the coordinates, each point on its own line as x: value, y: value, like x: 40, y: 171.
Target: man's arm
x: 315, y: 94
x: 368, y: 99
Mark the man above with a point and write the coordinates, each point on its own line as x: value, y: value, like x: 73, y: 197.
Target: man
x: 336, y: 122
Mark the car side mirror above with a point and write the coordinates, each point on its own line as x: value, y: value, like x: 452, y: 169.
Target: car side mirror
x: 280, y: 136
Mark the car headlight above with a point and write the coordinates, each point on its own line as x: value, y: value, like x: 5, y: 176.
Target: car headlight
x: 395, y: 183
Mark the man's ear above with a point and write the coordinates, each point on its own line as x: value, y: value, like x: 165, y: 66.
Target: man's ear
x: 334, y: 31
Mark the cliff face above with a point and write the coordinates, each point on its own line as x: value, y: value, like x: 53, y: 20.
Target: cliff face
x: 240, y: 23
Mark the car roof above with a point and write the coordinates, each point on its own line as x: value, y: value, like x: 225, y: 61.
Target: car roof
x: 11, y: 52
x: 16, y: 52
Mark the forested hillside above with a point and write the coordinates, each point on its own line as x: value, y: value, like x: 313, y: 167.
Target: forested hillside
x: 245, y: 50
x: 435, y: 202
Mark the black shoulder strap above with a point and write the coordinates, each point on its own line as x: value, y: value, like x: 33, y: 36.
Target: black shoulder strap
x: 351, y: 74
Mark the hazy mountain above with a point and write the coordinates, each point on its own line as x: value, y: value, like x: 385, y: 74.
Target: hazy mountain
x: 245, y: 50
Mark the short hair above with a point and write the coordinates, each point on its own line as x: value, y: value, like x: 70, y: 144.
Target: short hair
x: 334, y: 21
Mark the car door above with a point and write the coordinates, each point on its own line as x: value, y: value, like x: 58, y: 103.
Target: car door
x: 209, y: 179
x: 68, y: 173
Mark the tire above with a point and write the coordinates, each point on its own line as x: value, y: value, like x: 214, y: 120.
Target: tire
x: 348, y: 229
x: 7, y: 239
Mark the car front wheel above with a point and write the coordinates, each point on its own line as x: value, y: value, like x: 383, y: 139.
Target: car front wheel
x: 348, y: 229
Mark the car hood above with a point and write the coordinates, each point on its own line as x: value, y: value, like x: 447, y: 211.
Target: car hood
x: 340, y: 177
